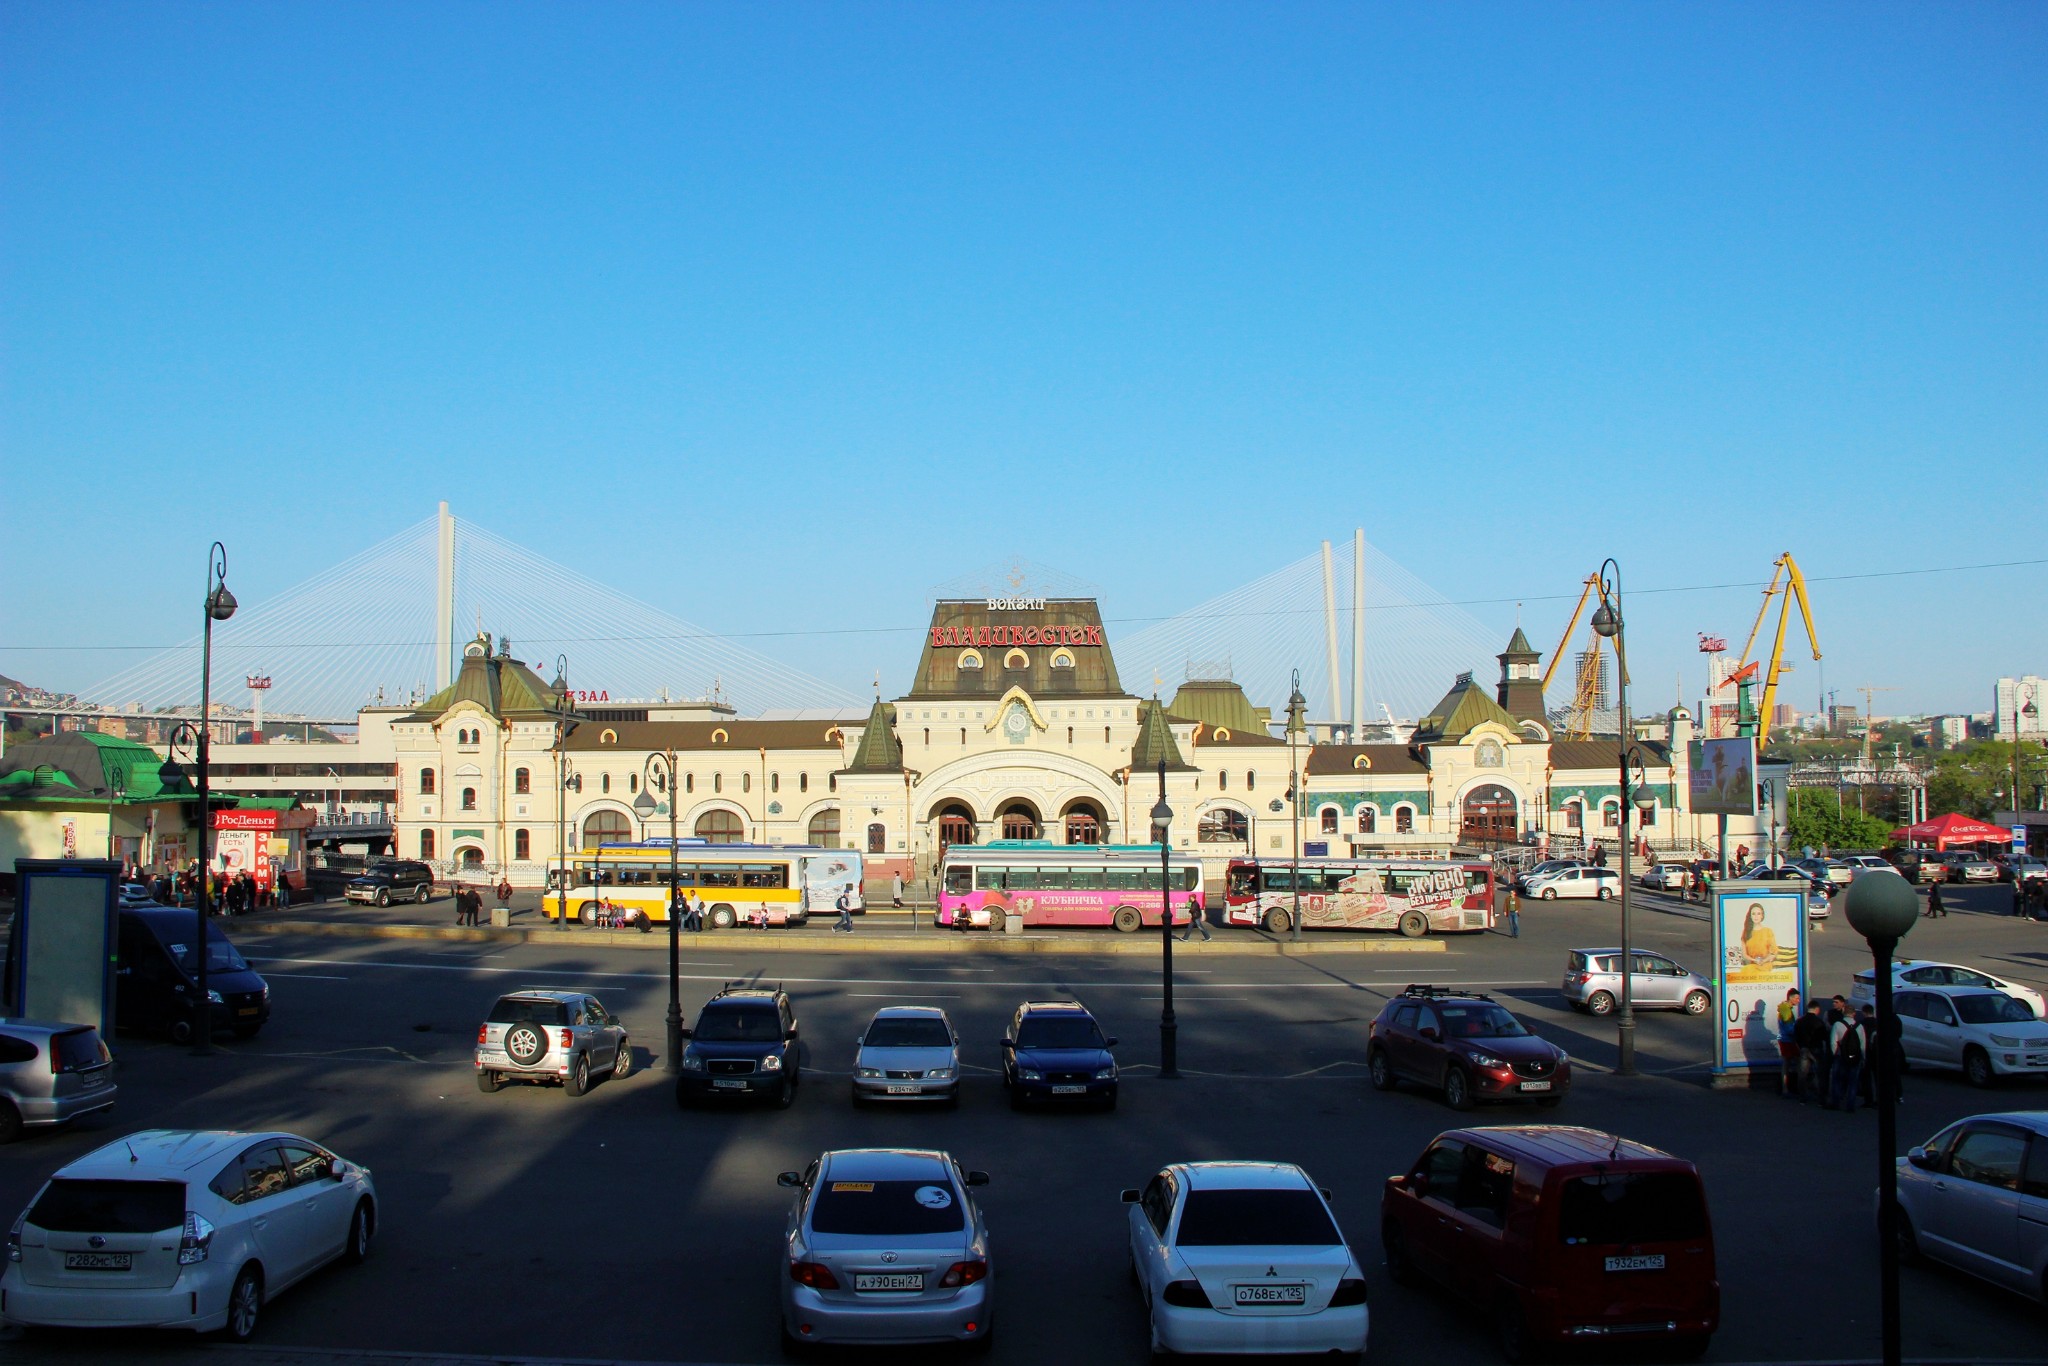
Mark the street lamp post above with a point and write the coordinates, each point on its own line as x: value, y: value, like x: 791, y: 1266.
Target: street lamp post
x: 646, y: 806
x: 1882, y: 907
x: 1296, y: 704
x: 1607, y: 621
x: 1169, y: 1028
x: 563, y: 776
x: 2029, y: 710
x: 220, y: 605
x: 117, y: 788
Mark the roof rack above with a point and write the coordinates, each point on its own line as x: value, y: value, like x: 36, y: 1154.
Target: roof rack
x: 747, y: 984
x: 1422, y: 991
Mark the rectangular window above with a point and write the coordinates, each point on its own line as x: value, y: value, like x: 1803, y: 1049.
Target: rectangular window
x: 764, y: 875
x: 1122, y: 878
x: 125, y: 1207
x: 1085, y: 879
x: 1262, y: 1218
x: 959, y: 880
x: 990, y: 879
x: 1653, y: 1207
x: 886, y: 1209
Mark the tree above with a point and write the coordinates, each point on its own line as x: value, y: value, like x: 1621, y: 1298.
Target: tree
x: 1817, y: 817
x: 1975, y: 779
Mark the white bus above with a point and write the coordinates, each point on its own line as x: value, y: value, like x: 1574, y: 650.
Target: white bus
x: 739, y: 884
x: 1065, y: 884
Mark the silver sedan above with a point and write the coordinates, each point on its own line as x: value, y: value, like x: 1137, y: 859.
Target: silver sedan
x: 886, y: 1246
x: 908, y: 1053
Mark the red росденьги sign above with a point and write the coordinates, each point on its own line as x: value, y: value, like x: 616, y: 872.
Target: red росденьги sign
x: 946, y: 636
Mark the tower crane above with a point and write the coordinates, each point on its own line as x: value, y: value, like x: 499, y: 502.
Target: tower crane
x: 1786, y: 579
x: 1578, y: 723
x: 1869, y: 691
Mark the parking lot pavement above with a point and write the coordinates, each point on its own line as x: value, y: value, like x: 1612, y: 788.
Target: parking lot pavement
x: 528, y: 1226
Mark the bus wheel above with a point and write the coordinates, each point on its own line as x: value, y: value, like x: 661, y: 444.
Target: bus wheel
x: 722, y: 917
x: 1278, y: 922
x: 1414, y: 925
x: 1126, y: 920
x: 586, y: 911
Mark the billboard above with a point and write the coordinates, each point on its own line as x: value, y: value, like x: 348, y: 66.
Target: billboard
x: 1759, y: 955
x: 1723, y: 777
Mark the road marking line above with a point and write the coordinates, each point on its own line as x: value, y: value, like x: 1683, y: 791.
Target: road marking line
x: 308, y: 977
x: 909, y: 995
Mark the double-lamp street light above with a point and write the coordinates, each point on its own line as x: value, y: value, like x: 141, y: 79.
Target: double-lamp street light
x: 645, y: 806
x: 1607, y: 622
x: 1882, y: 907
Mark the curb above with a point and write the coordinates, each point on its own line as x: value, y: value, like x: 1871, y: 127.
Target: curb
x: 934, y: 943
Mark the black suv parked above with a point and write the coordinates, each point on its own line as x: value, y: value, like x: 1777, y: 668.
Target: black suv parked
x: 745, y: 1047
x: 393, y: 880
x: 1464, y: 1045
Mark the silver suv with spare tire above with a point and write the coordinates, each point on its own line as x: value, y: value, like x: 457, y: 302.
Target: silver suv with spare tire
x: 543, y: 1035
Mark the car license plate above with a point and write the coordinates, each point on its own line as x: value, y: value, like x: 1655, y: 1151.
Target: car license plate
x: 904, y: 1090
x: 1535, y: 1086
x: 898, y: 1281
x: 97, y: 1261
x: 1649, y: 1262
x: 89, y: 1080
x: 247, y: 1010
x: 728, y: 1084
x: 1069, y: 1090
x: 1271, y: 1294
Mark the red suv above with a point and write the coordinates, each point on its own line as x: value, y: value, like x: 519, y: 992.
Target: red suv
x: 1563, y: 1236
x: 1464, y: 1045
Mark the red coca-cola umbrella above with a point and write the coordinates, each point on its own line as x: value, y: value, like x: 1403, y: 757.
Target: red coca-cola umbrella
x: 1947, y: 832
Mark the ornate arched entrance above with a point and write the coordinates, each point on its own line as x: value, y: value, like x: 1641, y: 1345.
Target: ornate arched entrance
x: 1083, y: 822
x: 956, y: 824
x: 1489, y: 816
x: 1019, y: 820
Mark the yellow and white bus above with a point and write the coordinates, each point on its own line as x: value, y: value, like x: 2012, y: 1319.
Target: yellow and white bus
x: 738, y: 883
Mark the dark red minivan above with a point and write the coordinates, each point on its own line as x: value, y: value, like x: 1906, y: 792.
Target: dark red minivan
x: 1562, y: 1235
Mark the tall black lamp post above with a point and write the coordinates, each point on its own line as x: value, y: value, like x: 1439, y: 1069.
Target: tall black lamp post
x: 1169, y: 1029
x: 117, y: 788
x: 1296, y: 705
x: 564, y: 775
x: 2029, y: 710
x: 646, y: 806
x: 1882, y: 907
x: 220, y: 605
x: 1607, y: 622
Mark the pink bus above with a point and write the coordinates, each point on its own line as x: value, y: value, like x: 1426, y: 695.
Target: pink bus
x: 1064, y: 884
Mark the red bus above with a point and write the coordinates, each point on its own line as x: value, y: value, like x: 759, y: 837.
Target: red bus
x: 1414, y: 896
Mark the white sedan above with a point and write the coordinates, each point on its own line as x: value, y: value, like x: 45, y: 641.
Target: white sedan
x: 1244, y: 1257
x: 1967, y: 1198
x: 1602, y: 883
x: 183, y: 1229
x: 1983, y: 1034
x: 1922, y: 972
x: 1668, y: 877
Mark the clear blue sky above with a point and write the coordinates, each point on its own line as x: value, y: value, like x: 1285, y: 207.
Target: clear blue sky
x: 850, y: 299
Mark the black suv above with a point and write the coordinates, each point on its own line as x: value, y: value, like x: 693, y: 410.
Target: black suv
x: 1054, y: 1050
x: 1464, y: 1045
x: 745, y: 1047
x: 393, y: 880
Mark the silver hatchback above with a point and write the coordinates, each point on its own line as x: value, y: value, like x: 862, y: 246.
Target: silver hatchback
x: 908, y: 1053
x: 885, y: 1246
x: 550, y: 1036
x: 1592, y: 982
x: 51, y: 1073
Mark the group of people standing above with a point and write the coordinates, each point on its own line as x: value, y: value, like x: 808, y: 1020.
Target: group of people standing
x: 469, y: 901
x: 1830, y: 1054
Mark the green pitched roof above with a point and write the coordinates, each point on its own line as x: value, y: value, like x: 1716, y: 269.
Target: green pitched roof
x: 497, y: 683
x: 1218, y: 702
x: 878, y: 751
x: 1155, y: 741
x: 1519, y: 648
x: 90, y: 763
x: 1462, y: 708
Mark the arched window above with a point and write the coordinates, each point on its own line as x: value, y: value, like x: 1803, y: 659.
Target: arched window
x: 803, y: 782
x: 522, y: 845
x: 746, y: 782
x: 689, y: 782
x: 632, y: 782
x: 1223, y: 781
x: 718, y: 782
x: 522, y: 781
x: 1646, y: 817
x: 878, y: 838
x: 1329, y: 820
x: 469, y: 799
x: 719, y: 827
x: 824, y: 829
x: 426, y: 782
x: 1575, y: 815
x: 606, y: 827
x: 1368, y: 820
x: 832, y: 782
x: 605, y: 783
x: 1251, y: 780
x: 956, y: 825
x: 1224, y: 825
x: 426, y: 844
x: 969, y: 659
x: 1020, y: 822
x: 1404, y: 820
x: 1083, y: 823
x: 1016, y: 659
x: 1610, y: 814
x: 775, y: 782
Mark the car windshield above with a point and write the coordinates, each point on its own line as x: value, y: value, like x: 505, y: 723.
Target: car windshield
x: 887, y: 1209
x: 909, y: 1032
x: 1480, y: 1022
x: 1993, y: 1009
x: 1059, y: 1031
x: 1255, y: 1218
x: 739, y: 1024
x: 1647, y: 1207
x: 529, y: 1010
x: 221, y: 956
x: 109, y: 1206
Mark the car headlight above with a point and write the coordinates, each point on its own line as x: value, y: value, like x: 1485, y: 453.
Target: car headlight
x: 867, y: 1071
x: 215, y: 997
x: 1107, y: 1073
x: 1486, y: 1060
x: 1028, y: 1074
x: 772, y: 1063
x: 266, y: 993
x: 692, y: 1063
x: 2006, y: 1041
x: 940, y: 1074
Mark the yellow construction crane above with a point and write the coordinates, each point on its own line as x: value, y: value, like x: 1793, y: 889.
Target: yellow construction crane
x: 1578, y: 721
x: 1786, y: 579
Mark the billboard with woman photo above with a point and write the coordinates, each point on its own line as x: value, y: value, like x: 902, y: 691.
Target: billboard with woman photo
x: 1760, y: 954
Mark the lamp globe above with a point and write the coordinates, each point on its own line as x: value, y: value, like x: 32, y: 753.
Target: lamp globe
x: 1882, y: 905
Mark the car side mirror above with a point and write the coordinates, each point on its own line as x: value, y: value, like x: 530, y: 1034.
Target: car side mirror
x: 789, y: 1178
x: 789, y: 1034
x: 977, y: 1178
x: 1110, y: 1042
x: 1397, y: 1182
x: 687, y: 1033
x: 1324, y: 1191
x: 1431, y: 1035
x: 1129, y: 1195
x: 1919, y: 1157
x: 1009, y: 1043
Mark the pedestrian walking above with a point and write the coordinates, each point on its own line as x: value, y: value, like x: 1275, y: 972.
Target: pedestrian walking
x: 1788, y: 1046
x: 1846, y: 1043
x: 1599, y: 855
x: 1514, y: 914
x: 845, y: 907
x: 505, y: 894
x: 1866, y: 1081
x: 462, y: 904
x: 896, y: 891
x: 1197, y: 922
x: 1935, y: 910
x: 1810, y: 1033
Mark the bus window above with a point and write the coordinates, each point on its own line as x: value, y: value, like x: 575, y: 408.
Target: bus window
x: 1122, y: 878
x: 1190, y: 879
x: 1084, y: 879
x: 764, y: 875
x: 1242, y: 882
x: 990, y: 879
x: 635, y: 877
x: 686, y: 875
x: 960, y: 880
x: 1025, y: 879
x: 720, y: 877
x: 1279, y: 879
x: 1335, y: 878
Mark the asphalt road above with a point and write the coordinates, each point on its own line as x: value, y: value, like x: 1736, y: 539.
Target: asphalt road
x: 529, y: 1225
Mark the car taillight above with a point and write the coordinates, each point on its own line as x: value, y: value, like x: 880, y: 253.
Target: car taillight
x: 1348, y: 1292
x: 196, y: 1240
x: 14, y: 1237
x: 568, y: 1039
x: 816, y: 1275
x: 964, y: 1273
x: 1186, y: 1295
x: 483, y: 1035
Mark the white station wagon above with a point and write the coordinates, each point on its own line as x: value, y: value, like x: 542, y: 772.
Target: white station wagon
x: 183, y: 1229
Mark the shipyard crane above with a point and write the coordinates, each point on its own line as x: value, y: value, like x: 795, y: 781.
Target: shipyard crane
x: 1578, y: 723
x: 1786, y: 579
